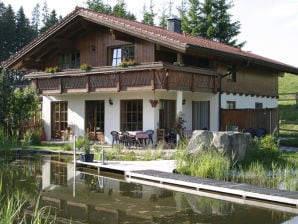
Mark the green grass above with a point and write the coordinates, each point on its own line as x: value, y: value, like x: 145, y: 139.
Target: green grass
x: 288, y: 110
x: 288, y: 83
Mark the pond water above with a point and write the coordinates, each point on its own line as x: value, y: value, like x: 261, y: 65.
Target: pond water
x: 84, y: 197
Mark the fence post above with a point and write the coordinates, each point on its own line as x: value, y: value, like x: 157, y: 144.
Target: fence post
x: 296, y: 99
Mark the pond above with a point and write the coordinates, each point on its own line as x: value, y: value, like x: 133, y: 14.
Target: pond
x: 84, y: 196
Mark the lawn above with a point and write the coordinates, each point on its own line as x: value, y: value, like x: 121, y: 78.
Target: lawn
x: 288, y: 109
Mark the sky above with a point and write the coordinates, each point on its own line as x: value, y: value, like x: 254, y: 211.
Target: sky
x: 270, y: 27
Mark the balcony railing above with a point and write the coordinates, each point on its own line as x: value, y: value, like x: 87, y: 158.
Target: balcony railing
x: 157, y: 75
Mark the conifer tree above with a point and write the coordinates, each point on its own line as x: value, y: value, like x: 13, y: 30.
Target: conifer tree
x: 210, y: 19
x: 148, y: 16
x: 24, y: 32
x: 120, y: 10
x: 164, y: 14
x: 8, y: 44
x: 35, y: 21
x: 99, y: 6
x: 51, y: 20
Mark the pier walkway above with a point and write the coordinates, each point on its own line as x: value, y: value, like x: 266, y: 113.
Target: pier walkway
x: 160, y: 173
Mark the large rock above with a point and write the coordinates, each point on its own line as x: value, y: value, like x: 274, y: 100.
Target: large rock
x: 233, y: 144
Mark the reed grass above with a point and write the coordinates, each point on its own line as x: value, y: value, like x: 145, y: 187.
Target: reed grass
x: 12, y: 207
x: 264, y: 166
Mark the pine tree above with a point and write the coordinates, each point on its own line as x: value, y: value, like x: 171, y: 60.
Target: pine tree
x: 165, y: 15
x: 210, y: 19
x: 51, y: 20
x: 120, y: 10
x: 226, y: 30
x: 99, y: 6
x: 207, y: 20
x: 24, y: 32
x: 148, y: 16
x: 45, y: 12
x: 189, y: 16
x: 8, y: 33
x: 35, y: 21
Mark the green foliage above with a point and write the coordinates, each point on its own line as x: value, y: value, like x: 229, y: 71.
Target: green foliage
x: 205, y: 164
x: 210, y: 19
x: 118, y: 10
x: 16, y: 31
x: 50, y: 21
x: 265, y: 152
x: 148, y: 16
x: 83, y: 143
x: 99, y: 6
x: 23, y: 103
x: 287, y: 84
x: 130, y: 156
x: 8, y: 142
x: 68, y: 147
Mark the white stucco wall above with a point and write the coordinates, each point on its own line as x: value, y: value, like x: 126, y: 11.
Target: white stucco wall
x: 76, y: 109
x: 243, y: 102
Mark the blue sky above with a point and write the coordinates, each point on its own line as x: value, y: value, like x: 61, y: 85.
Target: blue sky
x: 270, y: 27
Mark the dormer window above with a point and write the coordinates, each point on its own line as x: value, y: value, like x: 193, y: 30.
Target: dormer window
x: 122, y: 53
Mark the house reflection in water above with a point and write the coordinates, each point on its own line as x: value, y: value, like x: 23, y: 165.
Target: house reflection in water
x: 99, y: 199
x: 106, y: 199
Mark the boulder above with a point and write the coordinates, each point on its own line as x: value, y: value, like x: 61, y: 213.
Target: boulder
x: 200, y: 140
x: 233, y: 144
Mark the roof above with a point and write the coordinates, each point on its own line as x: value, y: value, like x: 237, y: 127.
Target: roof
x: 176, y: 41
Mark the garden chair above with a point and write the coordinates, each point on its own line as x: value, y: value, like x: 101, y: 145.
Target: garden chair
x: 150, y: 136
x: 115, y: 136
x: 127, y: 140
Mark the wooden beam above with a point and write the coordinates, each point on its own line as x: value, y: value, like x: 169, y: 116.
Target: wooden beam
x: 153, y: 80
x: 116, y: 35
x: 118, y: 82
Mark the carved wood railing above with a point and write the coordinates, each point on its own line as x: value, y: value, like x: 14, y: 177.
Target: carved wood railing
x: 151, y: 76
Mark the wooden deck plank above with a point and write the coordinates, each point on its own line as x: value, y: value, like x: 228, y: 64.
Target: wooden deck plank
x: 236, y: 189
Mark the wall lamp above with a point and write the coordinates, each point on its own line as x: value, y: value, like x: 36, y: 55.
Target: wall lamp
x: 111, y: 102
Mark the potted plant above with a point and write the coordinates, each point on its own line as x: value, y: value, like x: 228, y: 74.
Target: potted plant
x: 128, y: 63
x: 52, y: 69
x: 85, y: 67
x: 83, y: 143
x: 153, y: 103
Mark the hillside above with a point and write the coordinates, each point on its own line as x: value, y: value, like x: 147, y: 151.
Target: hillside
x: 288, y: 109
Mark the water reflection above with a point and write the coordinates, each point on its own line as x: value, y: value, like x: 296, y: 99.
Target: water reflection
x: 106, y: 198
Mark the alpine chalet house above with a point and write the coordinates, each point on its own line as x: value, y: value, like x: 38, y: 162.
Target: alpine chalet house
x: 99, y: 73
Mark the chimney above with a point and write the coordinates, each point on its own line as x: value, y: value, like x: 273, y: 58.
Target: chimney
x: 174, y: 24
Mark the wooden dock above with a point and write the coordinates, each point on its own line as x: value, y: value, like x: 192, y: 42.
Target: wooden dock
x: 159, y: 173
x: 236, y: 192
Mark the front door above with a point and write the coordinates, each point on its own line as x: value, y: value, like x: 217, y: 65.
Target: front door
x: 94, y: 122
x: 200, y: 115
x: 58, y: 118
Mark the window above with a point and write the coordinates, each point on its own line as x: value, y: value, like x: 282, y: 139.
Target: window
x: 58, y: 118
x: 232, y: 77
x: 258, y: 105
x: 131, y: 115
x: 120, y: 54
x: 70, y: 60
x: 94, y: 116
x: 231, y: 105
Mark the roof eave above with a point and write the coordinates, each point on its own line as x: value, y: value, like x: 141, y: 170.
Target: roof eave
x: 279, y: 67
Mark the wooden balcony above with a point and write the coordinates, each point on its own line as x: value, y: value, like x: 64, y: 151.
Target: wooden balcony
x: 150, y: 76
